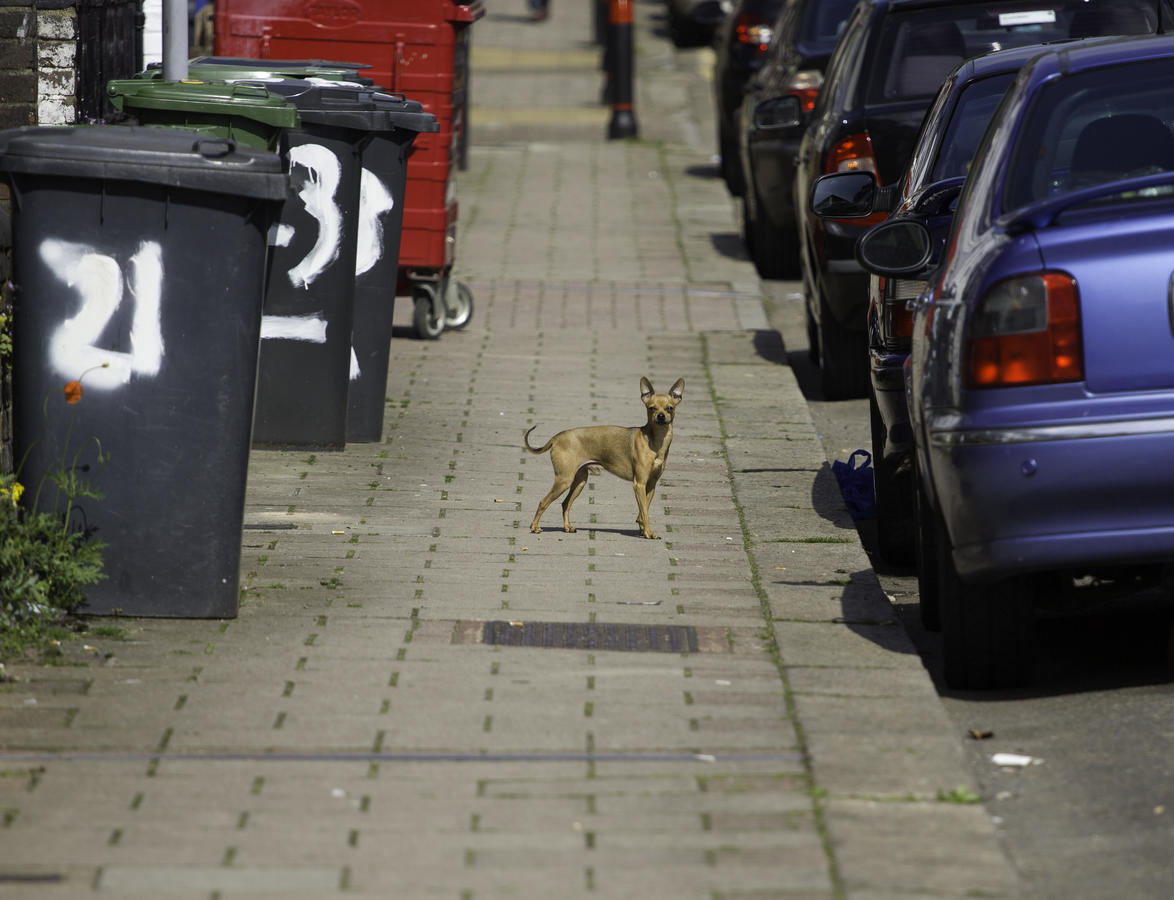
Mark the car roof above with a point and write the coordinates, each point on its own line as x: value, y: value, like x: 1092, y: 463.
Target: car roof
x: 1093, y: 53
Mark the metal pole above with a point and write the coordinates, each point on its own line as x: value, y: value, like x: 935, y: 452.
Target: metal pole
x: 623, y: 116
x: 175, y: 40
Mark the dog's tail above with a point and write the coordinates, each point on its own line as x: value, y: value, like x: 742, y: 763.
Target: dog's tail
x: 526, y: 441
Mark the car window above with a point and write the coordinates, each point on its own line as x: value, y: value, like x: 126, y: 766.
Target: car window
x: 917, y: 49
x: 972, y: 113
x: 845, y: 59
x: 823, y: 21
x: 1092, y: 128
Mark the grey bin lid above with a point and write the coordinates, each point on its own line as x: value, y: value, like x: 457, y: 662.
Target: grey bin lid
x: 145, y: 154
x: 347, y: 105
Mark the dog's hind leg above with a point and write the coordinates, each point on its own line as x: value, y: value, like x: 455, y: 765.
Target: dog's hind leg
x: 576, y: 489
x: 561, y: 483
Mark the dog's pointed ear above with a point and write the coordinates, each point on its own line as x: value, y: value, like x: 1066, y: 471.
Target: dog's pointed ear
x: 677, y: 391
x: 646, y: 390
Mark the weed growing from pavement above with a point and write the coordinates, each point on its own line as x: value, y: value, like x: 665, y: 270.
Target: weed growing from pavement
x: 959, y: 795
x: 818, y: 794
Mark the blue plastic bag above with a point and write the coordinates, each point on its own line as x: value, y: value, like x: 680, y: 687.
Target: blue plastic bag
x: 856, y: 484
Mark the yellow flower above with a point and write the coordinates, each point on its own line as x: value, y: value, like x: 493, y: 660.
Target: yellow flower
x: 17, y: 490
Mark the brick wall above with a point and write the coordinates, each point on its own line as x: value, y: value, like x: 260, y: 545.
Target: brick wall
x: 38, y: 51
x: 38, y: 86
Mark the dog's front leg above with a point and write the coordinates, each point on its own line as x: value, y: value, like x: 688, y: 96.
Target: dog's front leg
x: 643, y: 498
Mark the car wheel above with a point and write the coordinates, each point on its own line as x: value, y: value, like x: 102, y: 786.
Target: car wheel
x: 775, y: 250
x: 747, y: 227
x: 988, y: 629
x: 928, y: 547
x: 843, y: 357
x: 731, y: 164
x: 812, y: 333
x: 893, y: 492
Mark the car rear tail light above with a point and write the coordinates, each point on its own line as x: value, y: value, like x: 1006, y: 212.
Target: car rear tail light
x: 898, y: 315
x: 805, y: 85
x: 1026, y: 330
x: 752, y: 30
x: 853, y: 153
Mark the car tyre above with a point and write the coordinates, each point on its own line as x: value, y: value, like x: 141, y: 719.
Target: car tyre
x: 988, y: 629
x: 893, y: 493
x: 731, y: 163
x: 843, y: 357
x: 747, y: 227
x: 812, y: 333
x: 928, y: 549
x: 775, y: 250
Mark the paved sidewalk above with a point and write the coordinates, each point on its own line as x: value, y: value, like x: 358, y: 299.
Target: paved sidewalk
x: 352, y: 733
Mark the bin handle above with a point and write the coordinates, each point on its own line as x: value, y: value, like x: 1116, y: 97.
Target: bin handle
x: 214, y: 148
x: 249, y: 89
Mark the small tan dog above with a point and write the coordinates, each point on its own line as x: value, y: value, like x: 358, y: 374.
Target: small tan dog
x: 635, y: 454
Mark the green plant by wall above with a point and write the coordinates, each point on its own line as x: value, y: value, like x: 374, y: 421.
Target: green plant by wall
x: 46, y: 559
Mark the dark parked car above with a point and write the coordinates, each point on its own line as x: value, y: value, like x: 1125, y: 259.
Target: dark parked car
x: 693, y: 22
x: 770, y: 123
x: 885, y: 72
x: 944, y: 151
x: 1041, y: 377
x: 741, y: 46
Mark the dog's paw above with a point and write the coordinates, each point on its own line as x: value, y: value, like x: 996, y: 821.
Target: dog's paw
x: 569, y: 529
x: 536, y: 529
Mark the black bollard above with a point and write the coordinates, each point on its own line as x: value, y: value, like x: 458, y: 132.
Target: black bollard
x: 623, y: 115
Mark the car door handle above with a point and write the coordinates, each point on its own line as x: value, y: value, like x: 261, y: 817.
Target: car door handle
x: 1170, y: 302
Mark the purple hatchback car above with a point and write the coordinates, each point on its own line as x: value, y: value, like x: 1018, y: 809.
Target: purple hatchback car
x: 1041, y: 379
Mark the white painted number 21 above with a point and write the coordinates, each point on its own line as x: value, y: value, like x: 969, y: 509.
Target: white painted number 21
x: 101, y: 285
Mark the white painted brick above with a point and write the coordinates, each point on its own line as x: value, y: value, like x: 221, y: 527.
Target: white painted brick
x: 57, y: 24
x: 56, y: 54
x: 56, y: 83
x: 56, y: 111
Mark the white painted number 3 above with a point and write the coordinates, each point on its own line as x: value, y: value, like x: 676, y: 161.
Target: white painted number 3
x: 100, y: 282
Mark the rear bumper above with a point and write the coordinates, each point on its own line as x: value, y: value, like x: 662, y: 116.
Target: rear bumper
x: 1056, y: 497
x: 887, y: 371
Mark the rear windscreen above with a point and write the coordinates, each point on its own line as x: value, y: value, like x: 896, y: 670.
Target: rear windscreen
x: 919, y: 48
x: 822, y: 22
x: 1093, y: 128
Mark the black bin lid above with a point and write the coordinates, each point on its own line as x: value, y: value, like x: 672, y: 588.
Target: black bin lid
x: 346, y: 105
x: 404, y: 114
x: 165, y: 156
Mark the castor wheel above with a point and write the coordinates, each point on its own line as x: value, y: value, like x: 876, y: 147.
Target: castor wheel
x: 458, y: 304
x: 428, y: 316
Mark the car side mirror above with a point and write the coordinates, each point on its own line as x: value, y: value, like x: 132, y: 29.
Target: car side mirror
x: 778, y: 112
x: 844, y: 195
x: 895, y: 247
